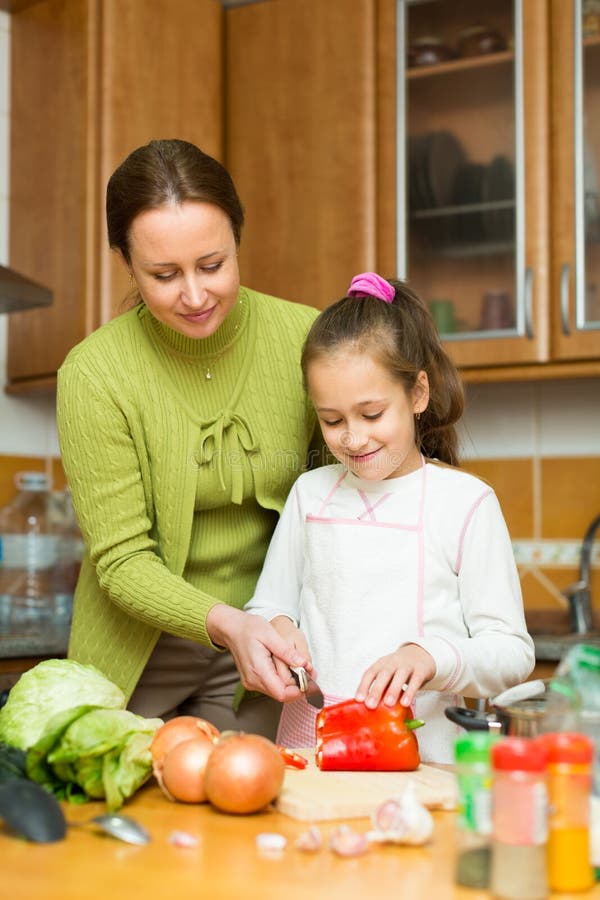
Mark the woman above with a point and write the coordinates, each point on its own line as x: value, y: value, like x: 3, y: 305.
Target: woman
x: 183, y: 424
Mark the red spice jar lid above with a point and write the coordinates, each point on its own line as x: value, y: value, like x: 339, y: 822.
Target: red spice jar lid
x: 567, y: 747
x: 519, y: 754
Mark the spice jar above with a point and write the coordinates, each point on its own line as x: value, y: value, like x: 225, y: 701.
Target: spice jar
x: 474, y: 815
x: 570, y: 758
x: 519, y: 820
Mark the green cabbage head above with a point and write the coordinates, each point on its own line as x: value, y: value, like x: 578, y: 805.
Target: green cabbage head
x: 51, y: 687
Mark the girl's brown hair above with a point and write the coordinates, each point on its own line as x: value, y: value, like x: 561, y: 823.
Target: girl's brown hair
x: 402, y: 337
x: 163, y: 172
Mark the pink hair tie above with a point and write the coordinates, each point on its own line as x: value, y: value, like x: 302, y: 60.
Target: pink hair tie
x: 369, y: 284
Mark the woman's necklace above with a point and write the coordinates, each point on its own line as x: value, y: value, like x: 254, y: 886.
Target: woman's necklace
x: 208, y: 373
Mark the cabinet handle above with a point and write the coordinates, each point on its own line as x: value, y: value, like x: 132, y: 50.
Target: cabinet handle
x: 565, y: 275
x: 529, y: 302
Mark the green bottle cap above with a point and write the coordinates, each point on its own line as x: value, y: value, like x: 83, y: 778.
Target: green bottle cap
x: 475, y: 747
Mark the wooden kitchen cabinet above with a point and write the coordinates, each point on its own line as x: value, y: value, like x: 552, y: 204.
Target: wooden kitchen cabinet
x: 323, y: 117
x: 575, y: 180
x: 91, y: 80
x: 487, y: 191
x: 302, y: 143
x: 473, y: 190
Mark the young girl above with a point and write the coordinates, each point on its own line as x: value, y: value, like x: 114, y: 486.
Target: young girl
x: 393, y: 569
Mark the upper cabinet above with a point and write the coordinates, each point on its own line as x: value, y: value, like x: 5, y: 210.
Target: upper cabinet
x: 576, y: 178
x: 450, y: 142
x: 90, y: 81
x: 473, y: 170
x: 496, y: 180
x: 430, y: 139
x: 301, y: 111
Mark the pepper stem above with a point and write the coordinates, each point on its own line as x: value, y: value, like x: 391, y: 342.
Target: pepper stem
x: 414, y: 723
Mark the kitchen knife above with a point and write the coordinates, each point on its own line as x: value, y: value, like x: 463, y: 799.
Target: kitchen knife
x: 308, y: 686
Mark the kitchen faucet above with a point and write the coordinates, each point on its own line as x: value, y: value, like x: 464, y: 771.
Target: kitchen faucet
x: 579, y: 594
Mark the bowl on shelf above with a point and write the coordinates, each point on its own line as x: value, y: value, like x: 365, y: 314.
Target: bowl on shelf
x: 429, y: 51
x: 479, y: 40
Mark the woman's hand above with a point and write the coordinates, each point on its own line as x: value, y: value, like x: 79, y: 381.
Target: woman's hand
x: 260, y: 654
x: 409, y: 666
x: 292, y: 635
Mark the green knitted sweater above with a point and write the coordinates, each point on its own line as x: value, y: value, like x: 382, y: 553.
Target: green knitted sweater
x: 142, y: 431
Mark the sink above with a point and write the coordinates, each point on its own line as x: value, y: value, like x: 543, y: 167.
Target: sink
x: 552, y: 646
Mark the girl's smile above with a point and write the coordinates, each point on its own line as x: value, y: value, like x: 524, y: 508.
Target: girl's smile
x: 366, y: 416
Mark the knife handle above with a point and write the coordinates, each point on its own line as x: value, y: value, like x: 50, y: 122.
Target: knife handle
x: 300, y: 677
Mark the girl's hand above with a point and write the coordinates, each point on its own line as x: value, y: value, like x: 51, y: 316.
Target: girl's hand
x: 410, y: 665
x: 260, y: 654
x: 295, y: 638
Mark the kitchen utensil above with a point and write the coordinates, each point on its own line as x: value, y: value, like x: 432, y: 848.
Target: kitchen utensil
x: 311, y: 795
x: 466, y: 191
x: 499, y: 185
x: 119, y: 826
x: 37, y: 815
x: 308, y: 686
x: 420, y: 196
x: 523, y: 691
x: 32, y: 812
x: 529, y: 716
x: 445, y: 157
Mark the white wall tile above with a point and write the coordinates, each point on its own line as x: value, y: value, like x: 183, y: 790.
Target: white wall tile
x: 570, y: 417
x: 4, y: 159
x: 3, y: 230
x: 500, y: 421
x: 4, y: 63
x: 28, y: 426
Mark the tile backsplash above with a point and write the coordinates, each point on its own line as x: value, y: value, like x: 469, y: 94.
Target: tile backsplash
x: 548, y: 505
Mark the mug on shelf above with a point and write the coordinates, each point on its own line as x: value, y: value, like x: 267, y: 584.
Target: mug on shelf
x: 496, y: 311
x: 442, y: 312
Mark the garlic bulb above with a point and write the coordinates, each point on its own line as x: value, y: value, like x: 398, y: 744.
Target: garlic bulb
x: 402, y: 820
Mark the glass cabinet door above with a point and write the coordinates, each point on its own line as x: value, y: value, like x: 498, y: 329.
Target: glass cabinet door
x: 461, y: 178
x: 587, y: 164
x: 576, y: 179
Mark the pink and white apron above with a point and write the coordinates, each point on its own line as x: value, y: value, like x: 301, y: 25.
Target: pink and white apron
x: 362, y: 597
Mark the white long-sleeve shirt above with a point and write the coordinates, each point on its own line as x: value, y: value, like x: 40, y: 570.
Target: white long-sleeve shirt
x: 363, y: 567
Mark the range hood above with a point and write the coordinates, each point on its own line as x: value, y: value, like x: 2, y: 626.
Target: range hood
x: 18, y: 292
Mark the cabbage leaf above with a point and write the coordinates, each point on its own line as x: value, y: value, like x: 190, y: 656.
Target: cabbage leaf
x: 51, y: 687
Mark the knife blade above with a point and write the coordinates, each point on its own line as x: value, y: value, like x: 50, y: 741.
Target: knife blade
x: 308, y: 686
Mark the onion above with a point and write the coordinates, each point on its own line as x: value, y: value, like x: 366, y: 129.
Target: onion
x: 181, y: 728
x: 244, y: 773
x: 182, y: 774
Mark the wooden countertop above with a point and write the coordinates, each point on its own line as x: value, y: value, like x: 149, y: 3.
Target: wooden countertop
x: 226, y: 864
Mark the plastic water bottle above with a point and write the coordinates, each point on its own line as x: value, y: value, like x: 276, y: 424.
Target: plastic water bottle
x: 28, y: 553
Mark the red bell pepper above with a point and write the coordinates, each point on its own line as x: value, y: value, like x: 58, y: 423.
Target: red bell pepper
x: 352, y: 737
x: 291, y: 758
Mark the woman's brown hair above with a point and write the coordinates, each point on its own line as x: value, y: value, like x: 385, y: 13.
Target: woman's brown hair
x: 163, y: 172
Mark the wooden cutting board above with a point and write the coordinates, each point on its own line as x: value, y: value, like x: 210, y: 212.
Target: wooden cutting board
x: 314, y: 796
